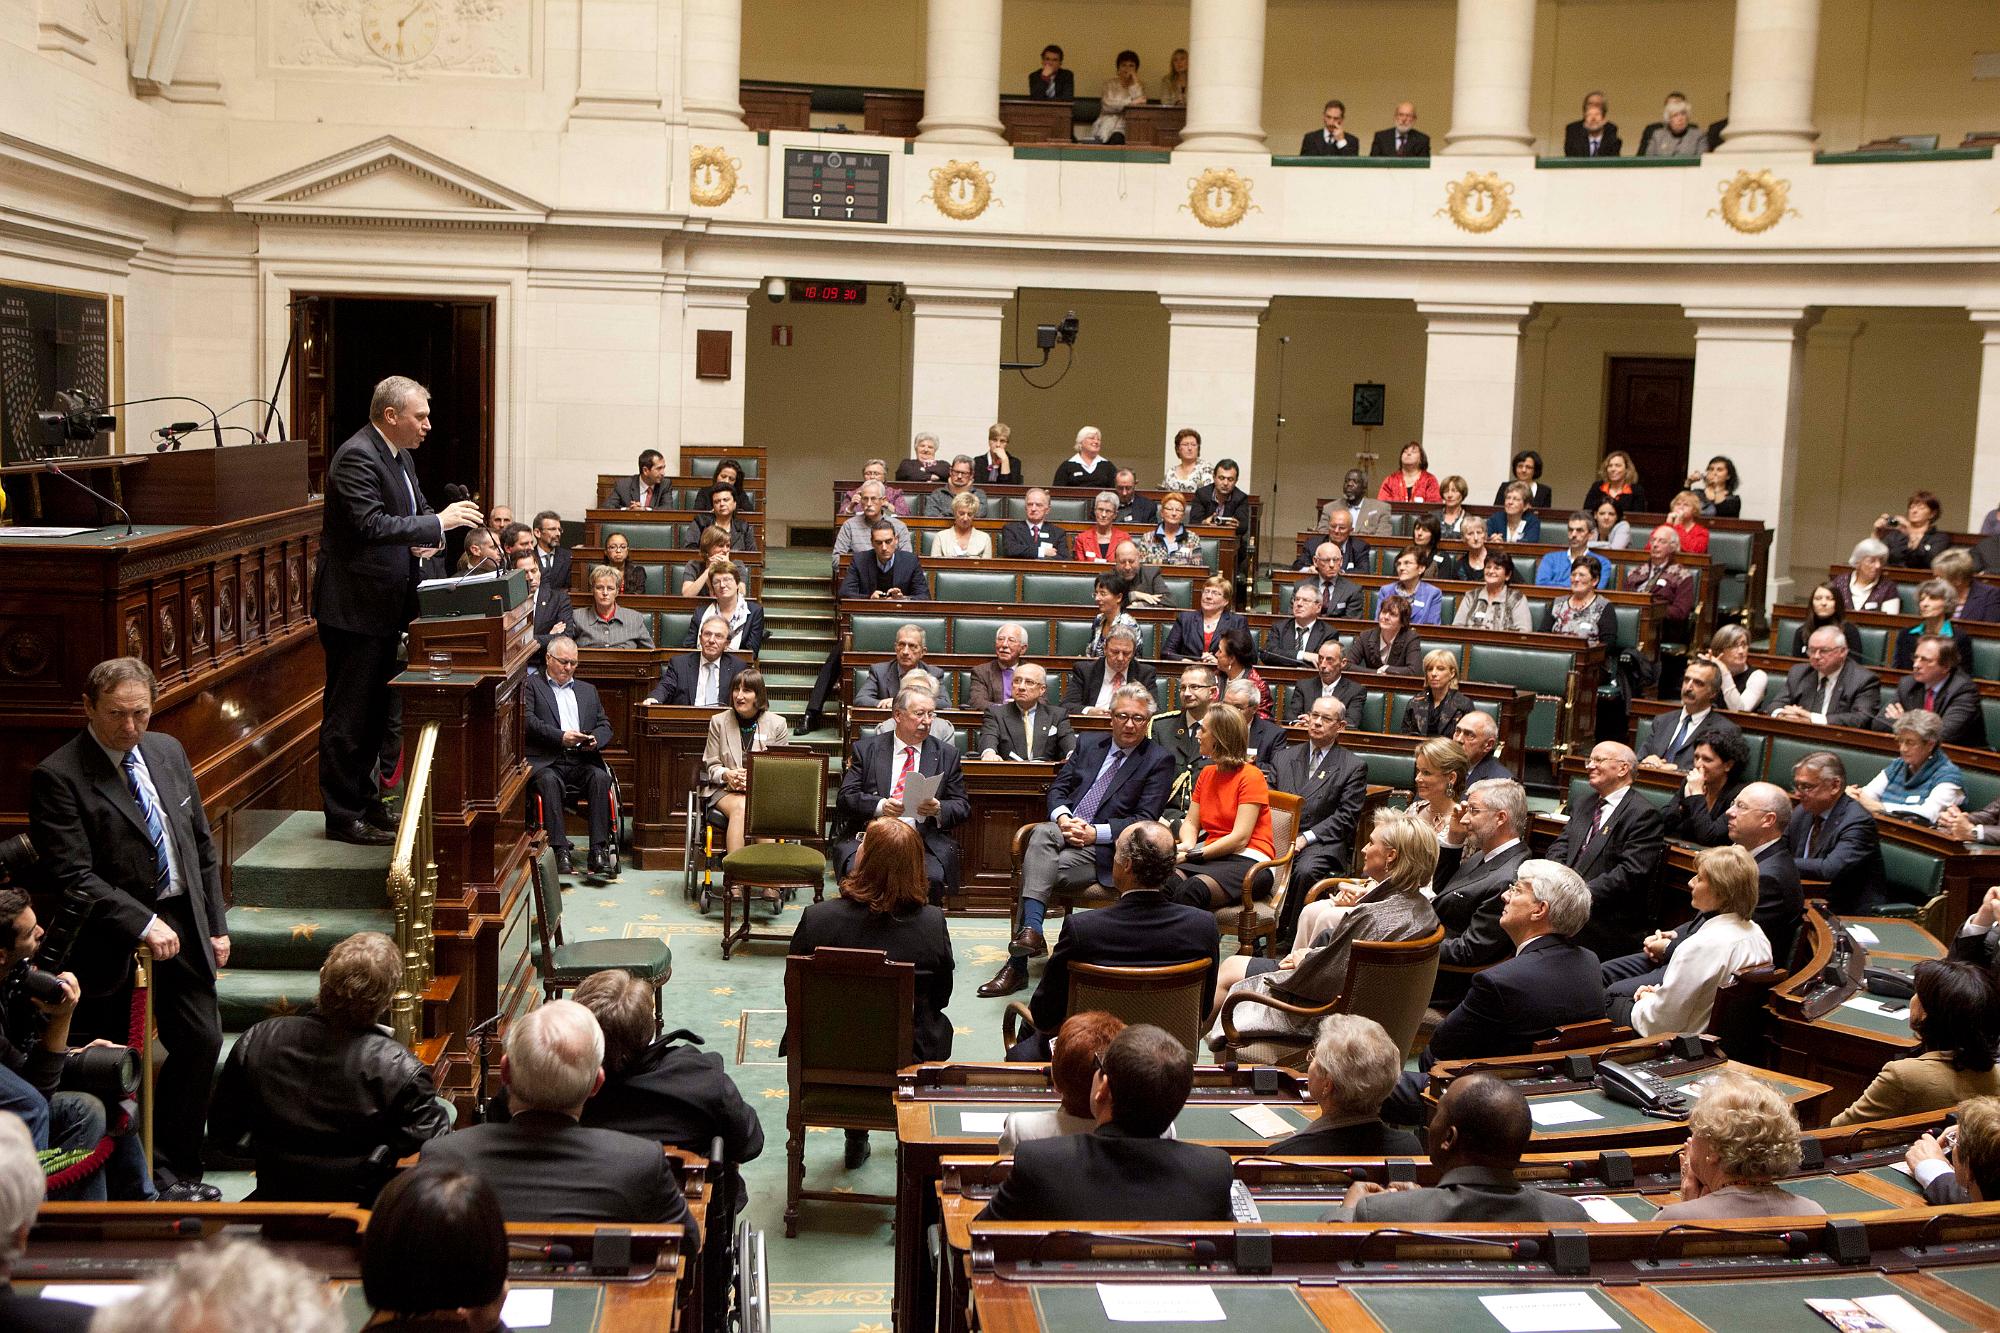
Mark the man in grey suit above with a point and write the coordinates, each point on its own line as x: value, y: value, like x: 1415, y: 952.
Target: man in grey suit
x: 1828, y: 689
x: 884, y: 678
x: 1330, y: 661
x: 1478, y: 858
x: 1149, y: 587
x: 1367, y: 516
x: 646, y: 490
x: 1332, y: 785
x: 1029, y: 726
x: 1477, y: 1135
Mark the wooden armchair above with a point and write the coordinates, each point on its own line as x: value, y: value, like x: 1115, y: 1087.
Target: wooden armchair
x: 1388, y: 981
x: 1251, y: 920
x: 1574, y: 1036
x: 1168, y: 997
x: 1739, y: 1021
x: 1094, y: 896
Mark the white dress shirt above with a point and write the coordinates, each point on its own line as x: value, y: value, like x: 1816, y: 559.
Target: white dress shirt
x: 1723, y: 946
x: 566, y: 711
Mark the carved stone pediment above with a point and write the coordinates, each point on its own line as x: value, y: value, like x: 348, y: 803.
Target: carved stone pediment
x: 389, y: 182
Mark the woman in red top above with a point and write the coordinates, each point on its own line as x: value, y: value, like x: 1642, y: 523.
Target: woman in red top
x: 1103, y: 536
x: 1684, y: 517
x: 1414, y: 481
x: 1227, y: 831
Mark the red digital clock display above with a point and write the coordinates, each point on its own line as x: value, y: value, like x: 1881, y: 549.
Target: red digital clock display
x: 829, y: 293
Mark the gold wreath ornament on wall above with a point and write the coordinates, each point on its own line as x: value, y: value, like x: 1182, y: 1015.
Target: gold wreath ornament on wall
x: 1479, y: 203
x: 1219, y: 197
x: 1754, y: 201
x: 961, y: 190
x: 712, y: 176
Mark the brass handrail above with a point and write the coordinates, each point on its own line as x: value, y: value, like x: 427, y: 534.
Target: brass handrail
x: 413, y: 886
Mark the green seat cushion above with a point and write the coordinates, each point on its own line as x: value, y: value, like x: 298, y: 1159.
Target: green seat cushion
x: 839, y: 1102
x: 1877, y: 642
x: 1985, y: 660
x: 673, y: 628
x: 974, y: 634
x: 1180, y: 593
x: 877, y: 634
x: 1625, y: 626
x: 1373, y: 706
x: 1982, y: 789
x: 1391, y: 770
x: 645, y: 536
x: 765, y: 862
x: 1069, y: 510
x: 1007, y: 506
x: 975, y: 585
x: 1543, y: 670
x: 1073, y: 636
x: 649, y: 960
x: 1211, y: 552
x: 1914, y: 875
x: 1059, y: 589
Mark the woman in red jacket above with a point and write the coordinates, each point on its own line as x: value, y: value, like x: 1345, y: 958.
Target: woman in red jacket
x: 1413, y: 481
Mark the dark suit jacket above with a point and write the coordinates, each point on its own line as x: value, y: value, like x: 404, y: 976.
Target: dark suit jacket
x: 1004, y: 731
x: 1421, y: 717
x: 1138, y: 792
x: 1847, y: 855
x: 1087, y: 678
x: 1957, y: 708
x: 1351, y: 693
x: 32, y: 1314
x: 1140, y: 510
x: 1982, y: 604
x: 366, y: 582
x: 1857, y: 694
x: 1693, y: 819
x: 676, y: 1093
x: 1185, y: 641
x: 1283, y: 642
x: 1468, y: 902
x: 913, y: 469
x: 868, y: 779
x: 1208, y: 507
x: 1510, y: 1006
x: 1531, y: 531
x: 1781, y: 902
x: 741, y: 536
x: 548, y: 1168
x: 1315, y: 145
x: 91, y: 834
x: 1150, y: 580
x: 1351, y: 1138
x: 988, y: 686
x: 556, y: 567
x: 1415, y: 144
x: 1468, y: 1194
x: 1539, y: 496
x: 985, y: 474
x: 1664, y: 727
x: 1016, y: 544
x: 1109, y: 1175
x: 1576, y: 143
x: 626, y: 491
x: 865, y: 577
x: 552, y: 608
x: 1065, y: 85
x: 917, y: 937
x: 1331, y: 806
x: 680, y: 677
x: 1618, y: 866
x: 883, y: 680
x: 1344, y: 600
x: 1405, y: 655
x: 545, y: 744
x: 1142, y: 929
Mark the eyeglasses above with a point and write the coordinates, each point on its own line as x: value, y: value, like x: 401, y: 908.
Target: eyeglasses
x: 1128, y: 717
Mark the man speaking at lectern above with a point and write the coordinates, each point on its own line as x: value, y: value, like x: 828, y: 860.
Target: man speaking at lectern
x: 377, y: 531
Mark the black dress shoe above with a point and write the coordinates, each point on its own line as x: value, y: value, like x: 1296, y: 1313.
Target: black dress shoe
x: 1011, y: 977
x: 381, y: 817
x: 190, y: 1191
x: 565, y: 861
x: 857, y: 1148
x: 611, y: 863
x: 357, y: 832
x: 596, y: 862
x: 1028, y: 944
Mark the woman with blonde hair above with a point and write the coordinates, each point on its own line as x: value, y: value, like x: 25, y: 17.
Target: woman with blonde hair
x: 1684, y: 517
x: 1435, y: 711
x: 1227, y: 828
x: 1742, y: 1135
x: 745, y: 727
x: 1725, y: 941
x: 1439, y: 781
x: 962, y: 541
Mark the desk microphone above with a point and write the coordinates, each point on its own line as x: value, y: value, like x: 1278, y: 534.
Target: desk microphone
x: 1522, y: 1248
x: 92, y: 491
x: 554, y: 1252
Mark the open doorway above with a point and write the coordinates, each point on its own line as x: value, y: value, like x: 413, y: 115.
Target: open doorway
x: 344, y: 345
x: 1648, y: 407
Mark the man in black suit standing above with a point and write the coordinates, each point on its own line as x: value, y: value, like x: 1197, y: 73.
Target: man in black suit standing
x: 1332, y: 784
x: 1403, y: 139
x: 567, y: 735
x: 1330, y: 140
x: 1828, y: 689
x: 1671, y: 739
x: 1593, y: 136
x: 1936, y: 684
x: 1330, y: 663
x: 1615, y: 839
x: 1144, y: 928
x: 376, y: 533
x: 1834, y: 838
x: 1123, y: 1170
x: 549, y: 550
x: 1032, y: 538
x: 1478, y: 857
x: 701, y: 678
x: 1052, y: 81
x: 871, y: 787
x: 115, y: 815
x: 1028, y: 726
x: 647, y: 490
x: 885, y: 572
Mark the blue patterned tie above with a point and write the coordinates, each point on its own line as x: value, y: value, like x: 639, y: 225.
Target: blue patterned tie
x: 1086, y: 810
x: 156, y: 824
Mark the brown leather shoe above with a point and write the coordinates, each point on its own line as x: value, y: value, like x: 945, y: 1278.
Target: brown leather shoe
x: 1028, y: 944
x: 1011, y: 977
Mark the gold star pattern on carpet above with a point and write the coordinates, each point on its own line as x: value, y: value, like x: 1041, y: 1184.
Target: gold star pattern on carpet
x: 962, y: 1032
x: 987, y: 953
x: 649, y: 916
x: 305, y: 930
x: 597, y: 930
x: 764, y: 1043
x: 731, y: 1022
x: 722, y: 990
x: 656, y: 893
x: 611, y: 903
x: 280, y: 1007
x: 776, y: 1094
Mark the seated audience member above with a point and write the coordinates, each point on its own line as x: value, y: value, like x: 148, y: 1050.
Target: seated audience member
x: 1438, y: 775
x: 1125, y: 1169
x: 1526, y: 469
x: 1330, y: 682
x: 1331, y: 783
x: 1684, y: 517
x: 1235, y: 665
x: 703, y: 677
x: 1742, y: 685
x: 1479, y: 555
x: 435, y: 1253
x: 1146, y: 927
x: 1172, y: 542
x: 1227, y: 828
x: 1452, y: 517
x: 943, y: 502
x: 1676, y: 135
x: 1834, y: 838
x: 1402, y: 139
x: 923, y: 464
x: 605, y: 624
x: 327, y: 1101
x: 1955, y: 1014
x: 1608, y: 529
x: 1098, y: 541
x: 747, y: 726
x: 715, y: 553
x: 1478, y: 858
x: 1586, y: 612
x: 1425, y: 534
x: 1863, y: 588
x: 234, y: 1284
x: 997, y: 467
x: 922, y: 680
x: 1143, y: 584
x: 1027, y: 726
x: 1221, y: 503
x: 553, y: 612
x: 1195, y: 633
x: 1437, y: 709
x: 1939, y: 684
x: 1669, y: 584
x: 1934, y: 601
x: 1120, y: 91
x: 1496, y: 604
x: 1188, y: 474
x: 1134, y: 508
x: 482, y: 551
x: 1672, y: 738
x: 1976, y: 826
x: 1390, y: 644
x: 1617, y: 479
x: 961, y: 541
x: 993, y: 682
x: 875, y: 470
x: 1550, y: 982
x: 1686, y: 966
x: 1614, y: 839
x: 745, y: 617
x: 1915, y: 539
x: 499, y: 518
x: 1179, y: 730
x: 1742, y: 1135
x: 871, y: 787
x: 1961, y: 1165
x: 1829, y: 688
x: 23, y: 1186
x: 1699, y: 812
x: 1077, y: 1048
x: 1552, y: 571
x: 1353, y: 1067
x: 1094, y: 681
x: 567, y: 732
x: 1110, y: 781
x: 618, y: 556
x: 1332, y: 138
x: 728, y: 476
x: 1351, y: 553
x: 1109, y: 591
x: 857, y: 532
x: 1032, y: 538
x: 1052, y: 81
x: 1515, y: 522
x: 1717, y: 485
x: 1593, y: 135
x: 1296, y: 642
x: 879, y: 686
x: 1921, y: 781
x: 1478, y: 735
x: 518, y: 539
x: 1823, y: 608
x: 550, y: 553
x: 721, y: 514
x: 1340, y: 598
x: 1476, y: 1136
x: 1087, y: 466
x: 883, y: 904
x: 1426, y: 599
x: 1365, y: 515
x: 885, y: 570
x: 542, y: 1163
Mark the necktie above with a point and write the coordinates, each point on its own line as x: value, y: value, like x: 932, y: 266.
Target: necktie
x: 1597, y: 821
x: 1087, y: 809
x: 708, y: 690
x: 903, y: 775
x: 1930, y: 700
x: 1812, y: 838
x: 156, y: 824
x: 1825, y: 697
x: 1680, y: 735
x: 1399, y: 143
x: 1593, y: 148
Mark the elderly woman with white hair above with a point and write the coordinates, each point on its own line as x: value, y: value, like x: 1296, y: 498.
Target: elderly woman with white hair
x: 1353, y: 1069
x: 1676, y: 135
x: 1863, y: 588
x: 1742, y: 1135
x: 1921, y: 783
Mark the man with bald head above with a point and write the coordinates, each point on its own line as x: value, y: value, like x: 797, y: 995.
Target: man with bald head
x: 1615, y: 839
x: 993, y: 682
x: 1340, y: 597
x: 1149, y: 588
x: 1330, y: 682
x: 1034, y: 537
x: 1028, y: 726
x: 1403, y: 139
x: 1828, y: 689
x: 1479, y: 736
x: 1758, y: 819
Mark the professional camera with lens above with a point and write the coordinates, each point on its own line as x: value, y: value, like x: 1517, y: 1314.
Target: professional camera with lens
x: 108, y: 1073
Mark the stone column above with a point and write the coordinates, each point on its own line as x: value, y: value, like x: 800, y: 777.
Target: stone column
x: 1225, y: 105
x: 961, y: 73
x: 1771, y: 81
x: 1747, y: 384
x: 1472, y: 383
x: 1985, y: 484
x: 712, y: 66
x: 712, y: 409
x: 955, y: 365
x: 617, y: 60
x: 1494, y: 59
x: 1212, y: 376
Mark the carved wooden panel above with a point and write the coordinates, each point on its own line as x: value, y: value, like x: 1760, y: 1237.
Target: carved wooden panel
x: 274, y: 592
x: 226, y: 611
x: 249, y: 605
x: 168, y: 619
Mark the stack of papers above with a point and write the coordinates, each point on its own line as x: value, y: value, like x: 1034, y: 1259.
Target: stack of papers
x: 1546, y: 1114
x: 1160, y: 1303
x: 1549, y: 1312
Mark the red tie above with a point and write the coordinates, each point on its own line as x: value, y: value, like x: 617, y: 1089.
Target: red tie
x: 1930, y: 700
x: 909, y: 762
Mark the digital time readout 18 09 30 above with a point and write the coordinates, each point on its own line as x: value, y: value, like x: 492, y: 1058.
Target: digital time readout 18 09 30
x: 815, y: 292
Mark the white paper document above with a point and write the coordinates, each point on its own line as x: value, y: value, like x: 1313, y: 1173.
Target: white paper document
x: 1894, y: 1313
x: 918, y: 788
x: 1160, y: 1303
x: 1263, y: 1120
x: 1864, y: 935
x: 18, y: 532
x: 97, y: 1294
x: 529, y: 1307
x: 1549, y: 1312
x: 1868, y: 1004
x: 1560, y: 1113
x: 982, y: 1122
x: 1602, y: 1208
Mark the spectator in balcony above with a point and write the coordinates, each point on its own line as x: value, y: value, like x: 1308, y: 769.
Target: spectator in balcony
x: 876, y: 470
x: 1174, y: 83
x: 1863, y: 588
x: 1170, y: 542
x: 1676, y: 136
x: 1144, y: 586
x: 958, y: 482
x: 1403, y: 139
x: 1585, y: 612
x: 715, y: 553
x: 722, y: 514
x: 961, y: 541
x: 1426, y: 601
x: 730, y: 603
x: 1470, y: 566
x: 646, y: 489
x: 1824, y: 608
x: 1743, y: 685
x: 1390, y: 644
x: 1515, y: 522
x: 605, y: 624
x: 1617, y: 479
x: 1332, y: 138
x: 1110, y: 593
x: 1970, y: 600
x: 1221, y: 502
x: 1552, y: 571
x: 923, y: 464
x: 1716, y: 486
x: 1592, y: 136
x: 1452, y: 519
x: 1194, y: 634
x: 1188, y: 474
x: 1914, y: 540
x: 856, y: 533
x: 1668, y: 583
x: 1425, y: 533
x: 1099, y: 541
x: 618, y: 556
x: 1366, y: 516
x: 1120, y: 91
x: 1133, y: 508
x: 1087, y: 466
x: 1412, y: 479
x: 1609, y: 530
x: 728, y: 476
x: 1052, y: 82
x: 1033, y: 537
x: 1934, y: 601
x: 997, y: 466
x: 992, y: 681
x: 1684, y: 517
x: 1295, y: 641
x: 745, y: 727
x: 1527, y: 469
x: 1498, y: 604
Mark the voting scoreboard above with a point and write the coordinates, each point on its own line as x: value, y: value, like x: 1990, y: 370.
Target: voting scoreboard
x: 829, y: 184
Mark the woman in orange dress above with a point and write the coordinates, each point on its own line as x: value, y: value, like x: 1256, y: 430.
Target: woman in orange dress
x: 1227, y: 830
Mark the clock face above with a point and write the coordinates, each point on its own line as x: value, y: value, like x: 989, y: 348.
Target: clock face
x: 401, y: 32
